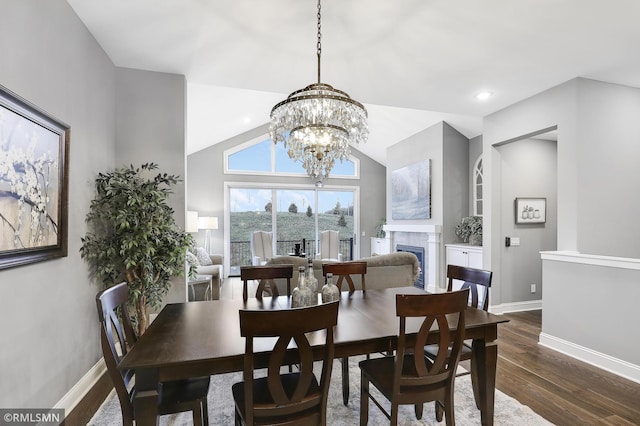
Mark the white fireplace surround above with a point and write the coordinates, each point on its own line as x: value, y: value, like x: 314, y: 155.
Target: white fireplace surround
x: 426, y: 236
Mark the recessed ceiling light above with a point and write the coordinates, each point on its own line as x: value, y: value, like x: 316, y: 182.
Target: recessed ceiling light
x: 247, y: 120
x: 483, y: 96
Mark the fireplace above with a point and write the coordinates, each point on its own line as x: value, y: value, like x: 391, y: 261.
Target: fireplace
x: 422, y: 236
x: 419, y: 252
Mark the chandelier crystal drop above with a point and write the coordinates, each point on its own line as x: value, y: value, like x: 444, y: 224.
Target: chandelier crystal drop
x: 317, y: 123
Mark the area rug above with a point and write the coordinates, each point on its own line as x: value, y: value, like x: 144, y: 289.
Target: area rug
x: 508, y: 411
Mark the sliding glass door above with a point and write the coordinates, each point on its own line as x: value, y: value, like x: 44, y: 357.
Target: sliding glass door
x: 295, y: 215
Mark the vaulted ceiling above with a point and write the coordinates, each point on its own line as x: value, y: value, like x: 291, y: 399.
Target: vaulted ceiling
x: 411, y: 62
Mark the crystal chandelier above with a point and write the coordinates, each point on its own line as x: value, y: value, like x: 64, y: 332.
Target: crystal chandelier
x: 317, y: 123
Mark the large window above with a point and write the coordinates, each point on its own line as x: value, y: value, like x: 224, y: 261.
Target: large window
x: 294, y: 214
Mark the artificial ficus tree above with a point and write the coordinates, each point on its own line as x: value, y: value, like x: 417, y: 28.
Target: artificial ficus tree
x: 133, y: 236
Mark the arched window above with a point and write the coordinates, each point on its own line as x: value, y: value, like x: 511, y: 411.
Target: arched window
x: 261, y: 156
x: 477, y: 187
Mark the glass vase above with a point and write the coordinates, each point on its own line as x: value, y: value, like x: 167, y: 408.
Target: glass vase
x: 301, y: 296
x: 330, y: 291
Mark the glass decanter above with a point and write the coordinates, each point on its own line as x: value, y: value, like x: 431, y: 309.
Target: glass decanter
x: 330, y: 291
x: 301, y: 296
x: 311, y: 280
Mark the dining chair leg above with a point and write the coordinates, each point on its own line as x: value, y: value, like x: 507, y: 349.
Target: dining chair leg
x: 448, y: 408
x: 439, y: 411
x: 474, y: 380
x: 345, y: 381
x: 205, y: 412
x: 419, y: 409
x: 364, y: 400
x: 394, y: 415
x: 197, y: 415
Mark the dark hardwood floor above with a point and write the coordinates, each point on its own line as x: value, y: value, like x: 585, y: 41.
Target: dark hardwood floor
x: 559, y: 388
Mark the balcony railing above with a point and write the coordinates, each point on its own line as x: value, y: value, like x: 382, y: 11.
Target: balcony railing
x: 241, y: 250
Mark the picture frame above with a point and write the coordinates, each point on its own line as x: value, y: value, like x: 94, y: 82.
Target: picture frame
x: 530, y: 210
x: 411, y: 191
x: 34, y: 182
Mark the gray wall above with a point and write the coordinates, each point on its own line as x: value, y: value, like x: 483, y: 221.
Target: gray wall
x: 600, y: 321
x: 51, y: 332
x: 206, y: 178
x: 449, y: 154
x: 607, y: 169
x: 528, y: 170
x: 151, y: 128
x: 597, y: 148
x: 455, y: 194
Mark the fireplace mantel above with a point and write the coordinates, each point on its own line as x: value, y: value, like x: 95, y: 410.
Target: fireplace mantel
x: 429, y: 229
x: 433, y: 235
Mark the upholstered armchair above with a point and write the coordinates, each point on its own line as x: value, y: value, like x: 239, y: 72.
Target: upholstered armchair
x: 261, y: 247
x: 329, y: 246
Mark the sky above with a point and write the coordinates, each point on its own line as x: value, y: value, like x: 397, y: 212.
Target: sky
x: 256, y: 158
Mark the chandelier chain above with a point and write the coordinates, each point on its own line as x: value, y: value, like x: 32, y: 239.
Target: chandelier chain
x: 316, y: 124
x: 319, y: 43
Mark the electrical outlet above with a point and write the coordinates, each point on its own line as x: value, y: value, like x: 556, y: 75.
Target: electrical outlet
x: 533, y: 288
x: 363, y: 233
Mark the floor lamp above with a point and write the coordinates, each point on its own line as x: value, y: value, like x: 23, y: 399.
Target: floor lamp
x: 207, y: 223
x: 192, y: 221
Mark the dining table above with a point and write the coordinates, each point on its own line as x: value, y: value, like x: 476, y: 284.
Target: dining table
x: 196, y: 339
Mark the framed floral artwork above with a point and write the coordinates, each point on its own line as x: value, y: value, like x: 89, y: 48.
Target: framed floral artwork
x: 34, y: 152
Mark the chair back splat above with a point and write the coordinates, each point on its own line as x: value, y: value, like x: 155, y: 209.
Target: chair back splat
x: 477, y: 280
x: 410, y: 379
x: 344, y: 270
x: 265, y: 276
x: 285, y: 398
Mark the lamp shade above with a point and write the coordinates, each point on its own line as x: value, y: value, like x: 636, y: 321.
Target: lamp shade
x: 207, y: 222
x: 192, y: 221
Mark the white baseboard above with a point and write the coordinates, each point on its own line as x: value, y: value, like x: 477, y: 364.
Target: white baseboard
x: 503, y: 308
x: 606, y: 362
x: 80, y: 389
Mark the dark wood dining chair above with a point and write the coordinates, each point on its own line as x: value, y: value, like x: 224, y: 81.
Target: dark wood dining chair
x: 478, y: 281
x: 265, y: 275
x: 117, y: 339
x: 285, y: 398
x: 342, y: 271
x: 409, y: 377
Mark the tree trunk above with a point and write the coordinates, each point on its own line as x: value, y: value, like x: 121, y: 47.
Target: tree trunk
x: 141, y: 313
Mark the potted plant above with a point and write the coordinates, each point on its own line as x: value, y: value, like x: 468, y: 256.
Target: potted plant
x: 380, y: 232
x: 469, y: 230
x: 133, y: 236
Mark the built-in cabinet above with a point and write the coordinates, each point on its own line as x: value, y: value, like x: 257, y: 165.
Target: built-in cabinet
x: 380, y: 246
x: 464, y: 255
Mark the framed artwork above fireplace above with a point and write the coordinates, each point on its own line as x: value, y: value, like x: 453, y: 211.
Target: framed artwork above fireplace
x: 411, y: 191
